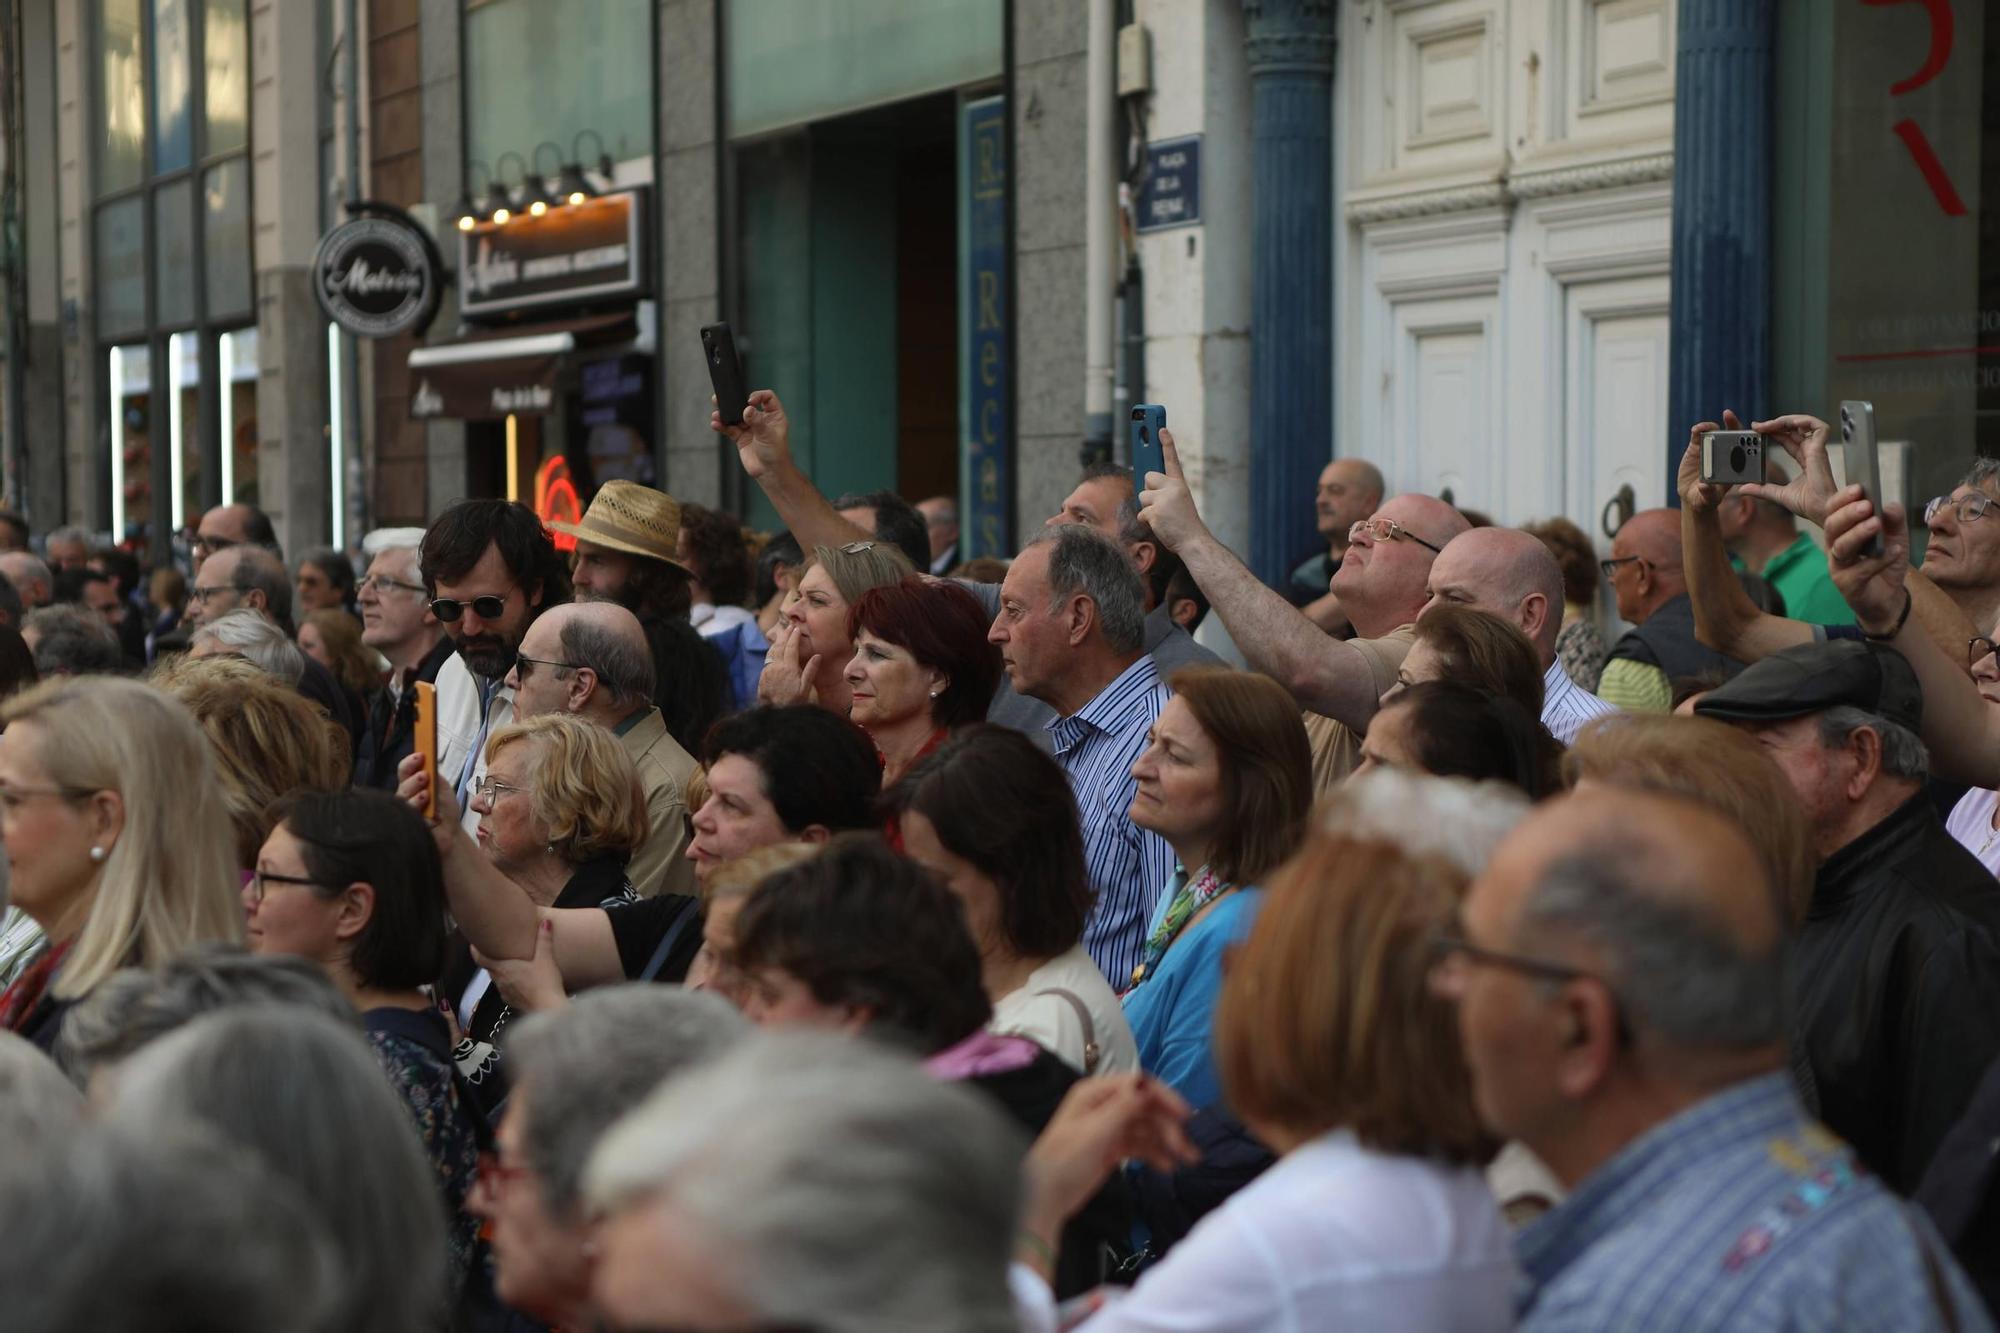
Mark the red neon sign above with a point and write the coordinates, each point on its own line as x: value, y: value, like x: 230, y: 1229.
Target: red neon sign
x: 556, y: 499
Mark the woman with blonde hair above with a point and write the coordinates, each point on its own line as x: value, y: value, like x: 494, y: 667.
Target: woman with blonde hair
x: 117, y: 835
x: 1713, y: 764
x: 268, y: 740
x: 809, y: 654
x: 1335, y: 1050
x: 332, y: 637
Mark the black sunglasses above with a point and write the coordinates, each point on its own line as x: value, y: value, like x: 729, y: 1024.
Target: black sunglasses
x: 448, y: 609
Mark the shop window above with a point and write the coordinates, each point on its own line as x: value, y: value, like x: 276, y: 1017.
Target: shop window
x: 120, y: 254
x: 173, y: 127
x: 226, y: 237
x: 121, y: 81
x: 226, y: 64
x: 173, y: 268
x: 129, y: 386
x: 590, y: 63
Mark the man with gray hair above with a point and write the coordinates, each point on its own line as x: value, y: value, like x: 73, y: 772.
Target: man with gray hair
x: 396, y: 621
x: 1619, y: 973
x: 1898, y: 961
x: 807, y: 1180
x: 72, y: 640
x: 30, y: 577
x: 590, y: 659
x: 1510, y: 574
x: 577, y: 1070
x: 67, y: 548
x: 251, y: 636
x: 1071, y: 633
x: 249, y: 577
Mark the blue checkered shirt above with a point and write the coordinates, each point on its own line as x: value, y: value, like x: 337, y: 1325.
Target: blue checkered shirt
x: 1740, y: 1213
x: 1128, y: 866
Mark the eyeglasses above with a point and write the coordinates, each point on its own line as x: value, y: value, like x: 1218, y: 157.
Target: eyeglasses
x: 377, y: 582
x: 857, y: 548
x: 203, y: 594
x: 1387, y: 530
x: 1447, y: 949
x: 527, y: 662
x: 1609, y: 568
x: 1970, y: 509
x: 489, y: 607
x: 1977, y: 647
x: 210, y: 545
x: 260, y: 878
x: 491, y: 787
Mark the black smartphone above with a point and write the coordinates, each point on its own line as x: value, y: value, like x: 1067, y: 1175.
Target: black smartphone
x: 1147, y: 456
x: 725, y: 372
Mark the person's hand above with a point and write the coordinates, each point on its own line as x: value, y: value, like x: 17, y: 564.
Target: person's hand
x: 1698, y: 496
x: 764, y: 440
x: 1102, y: 1122
x: 529, y: 984
x: 411, y: 784
x: 1165, y: 503
x: 1874, y: 585
x: 785, y: 679
x: 1810, y: 492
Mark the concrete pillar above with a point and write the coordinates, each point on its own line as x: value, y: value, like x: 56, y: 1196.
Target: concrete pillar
x: 293, y: 481
x: 444, y: 179
x: 688, y: 203
x: 1720, y: 353
x: 39, y: 487
x: 1290, y: 45
x: 82, y: 442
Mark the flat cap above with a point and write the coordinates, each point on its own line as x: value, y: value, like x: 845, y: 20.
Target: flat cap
x: 1813, y: 677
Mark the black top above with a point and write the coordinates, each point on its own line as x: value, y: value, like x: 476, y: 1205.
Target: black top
x: 1897, y: 973
x: 319, y: 686
x: 1961, y: 1191
x: 391, y: 730
x: 641, y: 928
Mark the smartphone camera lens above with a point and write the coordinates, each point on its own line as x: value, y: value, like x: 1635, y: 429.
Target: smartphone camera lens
x: 1738, y: 460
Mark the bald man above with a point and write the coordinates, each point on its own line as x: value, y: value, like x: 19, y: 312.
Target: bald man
x: 1350, y: 489
x: 1648, y: 577
x: 591, y: 660
x: 1620, y: 981
x: 1381, y: 584
x: 1510, y: 574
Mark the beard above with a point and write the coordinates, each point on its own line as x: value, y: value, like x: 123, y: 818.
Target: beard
x: 486, y: 655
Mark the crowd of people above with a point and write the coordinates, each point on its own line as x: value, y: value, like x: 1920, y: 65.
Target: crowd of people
x: 816, y: 930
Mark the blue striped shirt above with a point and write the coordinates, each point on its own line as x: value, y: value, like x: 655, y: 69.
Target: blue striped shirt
x: 1739, y: 1213
x: 1128, y: 866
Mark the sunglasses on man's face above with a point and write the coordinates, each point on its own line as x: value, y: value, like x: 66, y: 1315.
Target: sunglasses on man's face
x: 449, y: 609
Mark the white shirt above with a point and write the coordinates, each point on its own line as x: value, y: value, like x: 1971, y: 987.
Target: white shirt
x: 712, y: 620
x: 1971, y: 823
x: 458, y: 691
x: 1335, y: 1236
x: 1566, y: 706
x: 1051, y: 1021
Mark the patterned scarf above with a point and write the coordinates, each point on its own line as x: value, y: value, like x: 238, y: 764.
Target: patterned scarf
x: 21, y: 999
x: 1191, y: 895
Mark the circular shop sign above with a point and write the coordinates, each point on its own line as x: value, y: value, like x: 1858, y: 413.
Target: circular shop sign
x: 375, y: 277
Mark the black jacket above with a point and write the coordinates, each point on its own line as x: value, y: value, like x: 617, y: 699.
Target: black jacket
x: 1897, y: 975
x: 391, y: 730
x: 1666, y: 640
x: 1961, y: 1191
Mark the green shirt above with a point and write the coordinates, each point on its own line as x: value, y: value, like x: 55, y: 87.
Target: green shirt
x: 1799, y: 574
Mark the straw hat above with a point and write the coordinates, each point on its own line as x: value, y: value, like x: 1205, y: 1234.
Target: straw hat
x: 635, y: 519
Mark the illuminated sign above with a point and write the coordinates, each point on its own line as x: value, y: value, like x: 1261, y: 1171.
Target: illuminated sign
x: 556, y: 500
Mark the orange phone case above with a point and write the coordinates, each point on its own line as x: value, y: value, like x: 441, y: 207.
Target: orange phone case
x: 427, y: 742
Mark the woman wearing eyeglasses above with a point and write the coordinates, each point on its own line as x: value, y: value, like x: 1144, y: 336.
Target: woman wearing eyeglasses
x: 809, y: 655
x: 351, y: 880
x: 117, y: 836
x: 560, y: 813
x: 1975, y: 820
x: 1226, y: 779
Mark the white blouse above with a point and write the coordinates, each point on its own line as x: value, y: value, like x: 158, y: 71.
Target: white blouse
x: 1335, y: 1236
x: 1052, y: 1022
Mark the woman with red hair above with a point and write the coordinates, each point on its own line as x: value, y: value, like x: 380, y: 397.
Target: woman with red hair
x: 921, y: 667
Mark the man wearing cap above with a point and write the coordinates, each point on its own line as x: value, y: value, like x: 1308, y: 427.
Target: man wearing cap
x: 1897, y: 965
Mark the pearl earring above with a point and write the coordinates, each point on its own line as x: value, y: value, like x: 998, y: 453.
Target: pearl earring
x: 98, y: 854
x: 934, y: 694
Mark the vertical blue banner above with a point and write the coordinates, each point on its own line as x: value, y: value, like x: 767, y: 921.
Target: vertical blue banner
x: 986, y: 465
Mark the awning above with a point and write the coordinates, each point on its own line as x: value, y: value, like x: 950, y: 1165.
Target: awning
x: 503, y: 372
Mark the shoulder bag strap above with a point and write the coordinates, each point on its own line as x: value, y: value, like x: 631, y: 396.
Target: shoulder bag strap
x: 666, y: 945
x: 1091, y: 1054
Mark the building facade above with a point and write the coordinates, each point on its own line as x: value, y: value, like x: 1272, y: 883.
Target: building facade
x: 1498, y: 247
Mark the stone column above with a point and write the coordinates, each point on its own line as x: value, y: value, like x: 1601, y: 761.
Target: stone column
x: 444, y: 180
x: 688, y: 281
x: 1721, y: 334
x: 1290, y: 46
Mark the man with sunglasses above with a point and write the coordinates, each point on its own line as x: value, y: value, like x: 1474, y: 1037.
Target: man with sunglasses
x: 1620, y: 981
x: 490, y: 568
x: 396, y: 621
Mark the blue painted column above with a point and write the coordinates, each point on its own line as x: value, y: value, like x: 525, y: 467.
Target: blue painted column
x: 1721, y: 338
x: 1290, y: 48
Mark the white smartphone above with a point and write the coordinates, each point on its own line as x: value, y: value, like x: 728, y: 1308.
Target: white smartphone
x: 1857, y: 448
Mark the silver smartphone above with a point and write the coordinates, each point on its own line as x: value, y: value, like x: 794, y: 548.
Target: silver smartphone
x: 1857, y: 448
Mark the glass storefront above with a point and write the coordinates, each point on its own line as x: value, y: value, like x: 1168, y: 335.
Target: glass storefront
x: 172, y: 287
x: 1886, y: 219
